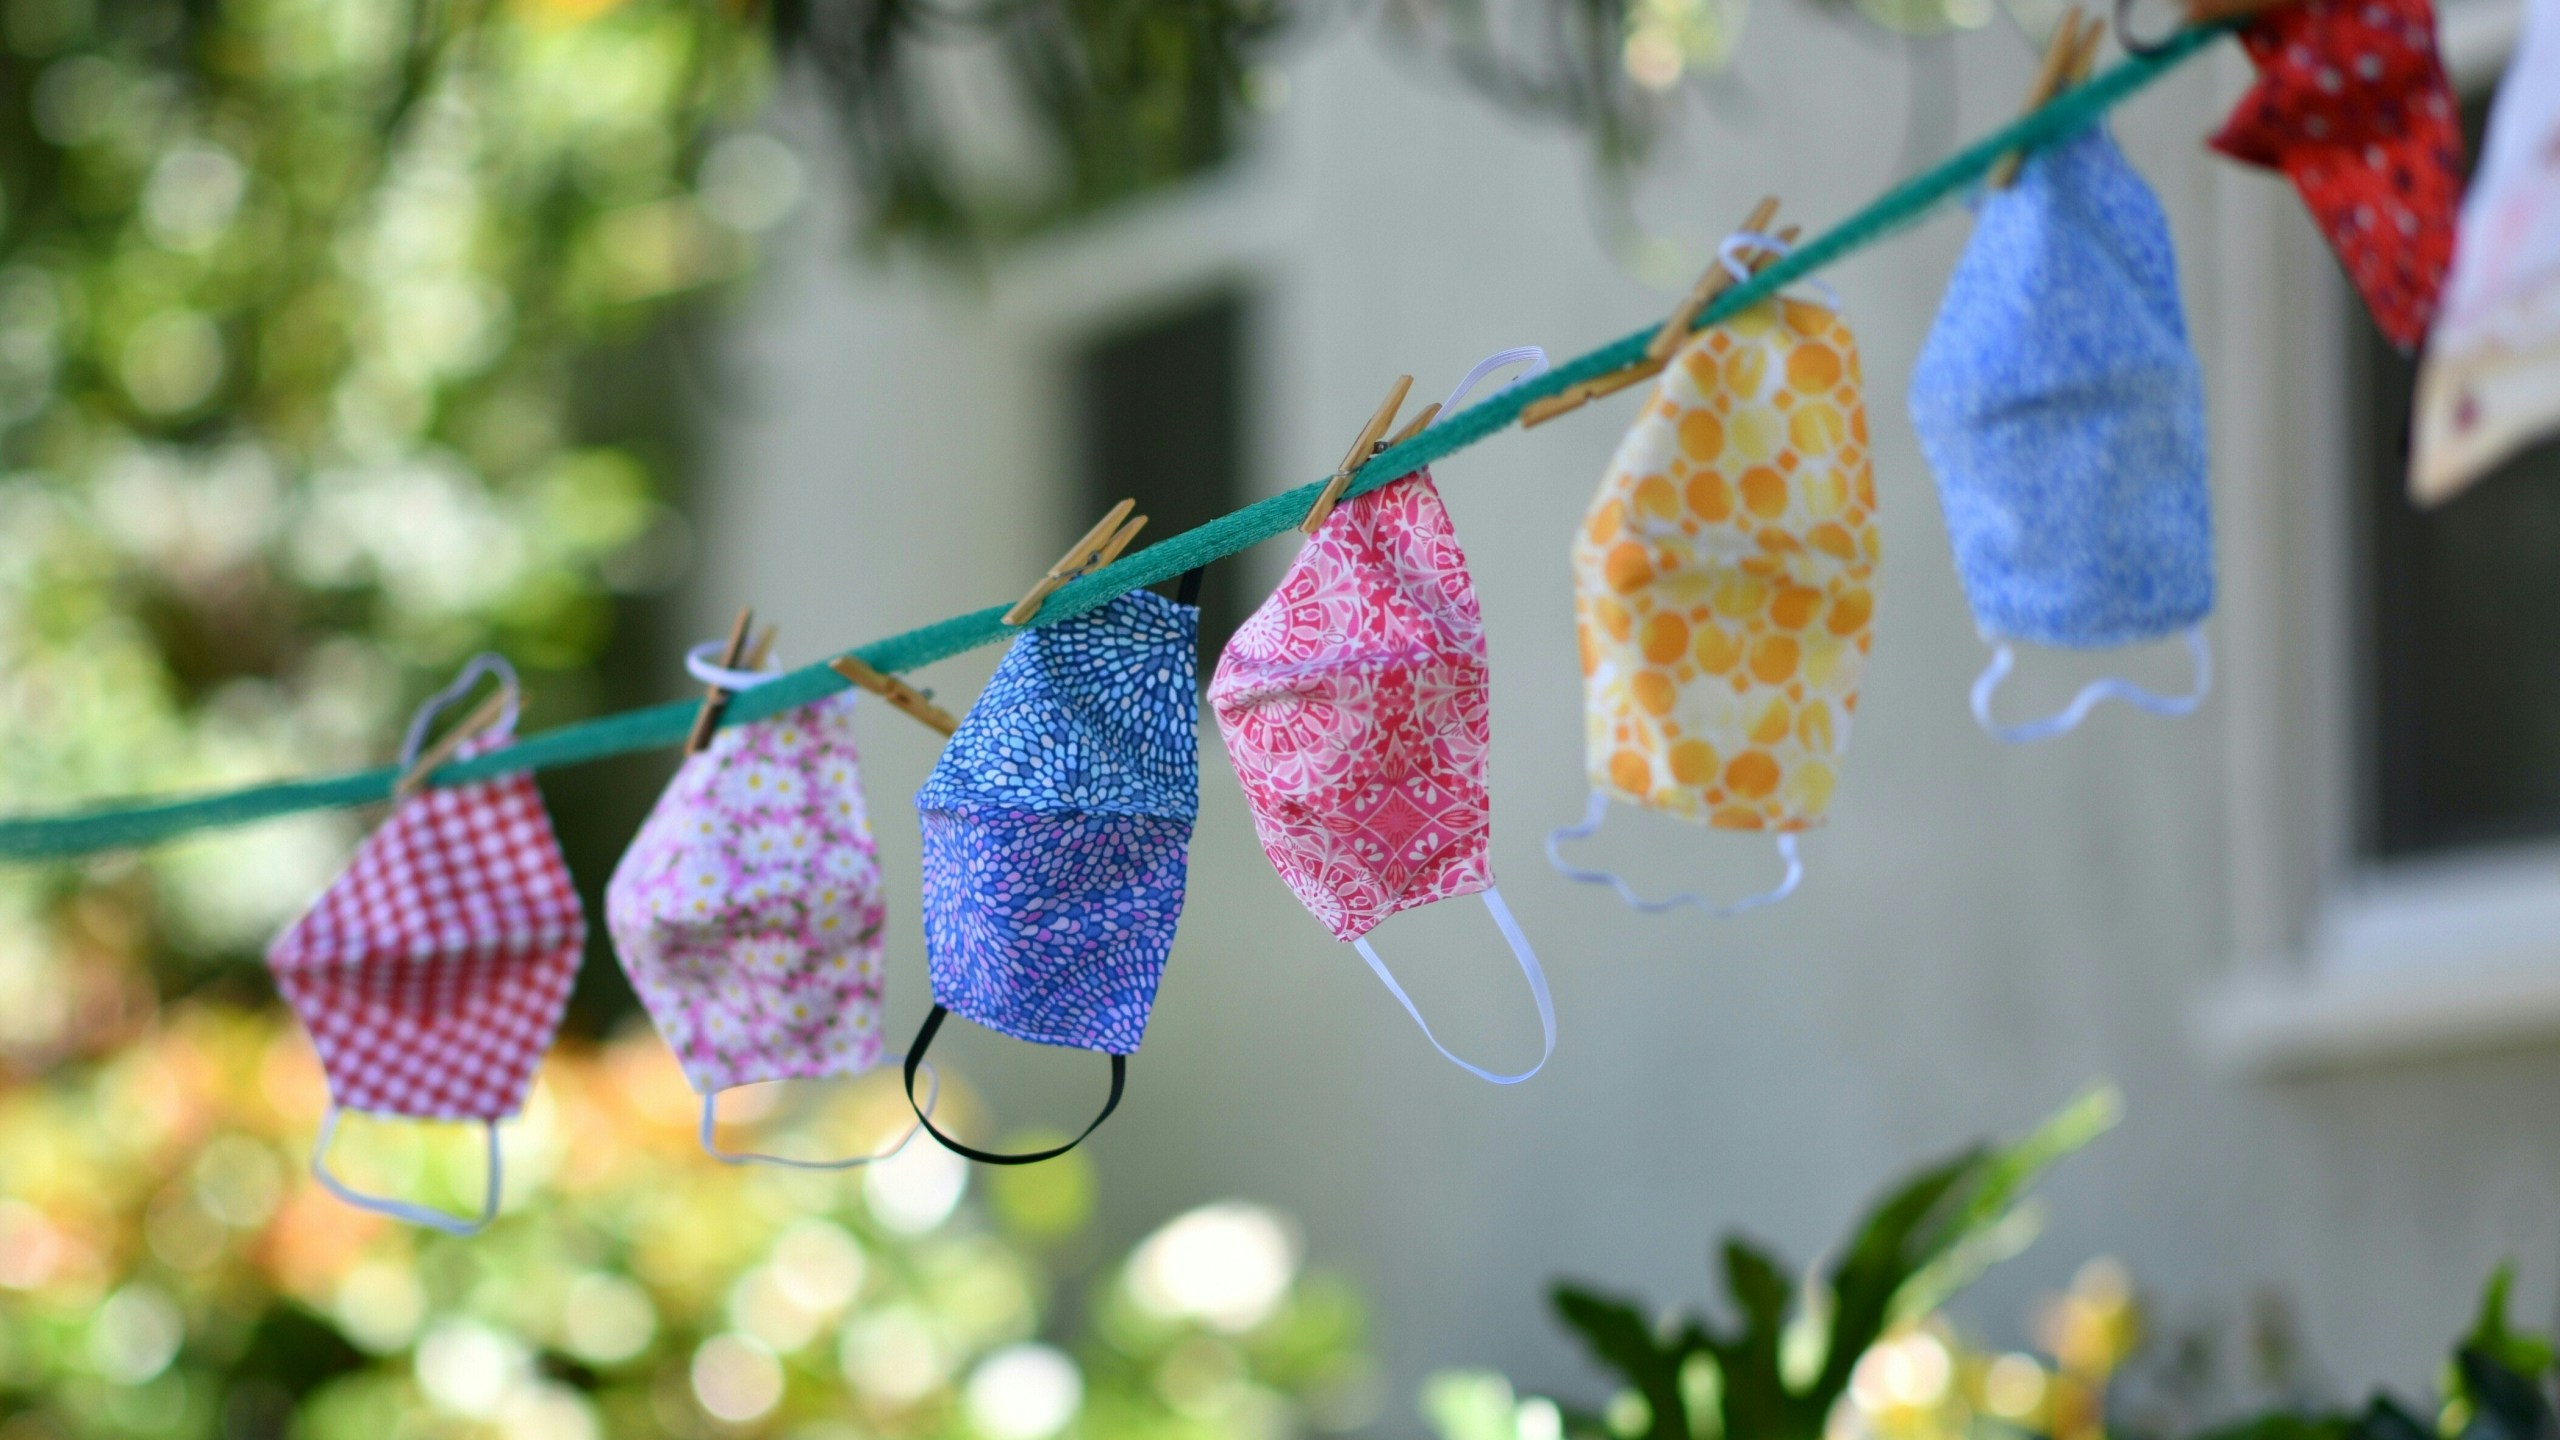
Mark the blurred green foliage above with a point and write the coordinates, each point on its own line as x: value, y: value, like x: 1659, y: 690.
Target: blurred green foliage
x: 1864, y: 1351
x: 1777, y: 1371
x: 1104, y: 100
x: 166, y: 1269
x: 296, y: 301
x: 1859, y: 1351
x: 2497, y: 1385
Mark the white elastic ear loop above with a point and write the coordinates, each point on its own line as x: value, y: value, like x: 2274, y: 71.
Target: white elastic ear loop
x: 487, y: 662
x: 1532, y: 356
x: 1529, y: 967
x: 1730, y: 254
x: 711, y: 1147
x: 702, y: 662
x: 1598, y: 810
x: 415, y: 1214
x: 2068, y: 719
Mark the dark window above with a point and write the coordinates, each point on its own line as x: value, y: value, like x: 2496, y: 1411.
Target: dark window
x: 2462, y: 680
x: 1162, y: 405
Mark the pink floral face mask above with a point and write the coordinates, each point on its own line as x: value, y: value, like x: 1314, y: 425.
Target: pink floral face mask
x: 747, y: 912
x: 1354, y: 707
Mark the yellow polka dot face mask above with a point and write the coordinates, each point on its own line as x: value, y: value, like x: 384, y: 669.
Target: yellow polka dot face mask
x: 1724, y: 586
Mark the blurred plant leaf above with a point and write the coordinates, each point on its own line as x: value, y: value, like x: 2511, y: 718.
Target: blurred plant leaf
x: 1925, y: 1238
x: 1112, y: 98
x: 2527, y: 1353
x: 2505, y: 1403
x: 1617, y: 1336
x: 1990, y: 1223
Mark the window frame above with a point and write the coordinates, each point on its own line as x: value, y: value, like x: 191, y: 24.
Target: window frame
x: 2339, y: 956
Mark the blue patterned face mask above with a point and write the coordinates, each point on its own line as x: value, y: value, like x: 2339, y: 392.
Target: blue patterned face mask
x: 2061, y: 406
x: 1057, y: 834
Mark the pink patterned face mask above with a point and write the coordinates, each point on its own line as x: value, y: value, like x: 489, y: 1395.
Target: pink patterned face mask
x: 1354, y: 707
x: 748, y: 910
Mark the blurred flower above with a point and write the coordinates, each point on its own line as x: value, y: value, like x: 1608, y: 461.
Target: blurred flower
x: 181, y: 1260
x: 916, y: 1189
x: 1667, y: 39
x: 135, y: 1335
x: 736, y: 1378
x: 469, y: 1368
x: 606, y: 1319
x: 1024, y: 1392
x: 894, y: 1356
x: 1226, y: 1264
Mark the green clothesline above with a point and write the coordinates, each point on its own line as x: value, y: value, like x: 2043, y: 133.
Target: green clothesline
x: 121, y: 826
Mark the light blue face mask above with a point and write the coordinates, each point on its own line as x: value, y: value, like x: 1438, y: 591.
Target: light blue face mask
x: 2061, y: 406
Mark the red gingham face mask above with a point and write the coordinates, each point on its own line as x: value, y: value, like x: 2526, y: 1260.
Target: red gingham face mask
x: 2353, y: 106
x: 432, y: 973
x: 1354, y: 705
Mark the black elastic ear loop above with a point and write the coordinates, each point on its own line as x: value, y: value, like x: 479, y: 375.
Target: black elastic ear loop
x: 1187, y: 593
x: 915, y: 1057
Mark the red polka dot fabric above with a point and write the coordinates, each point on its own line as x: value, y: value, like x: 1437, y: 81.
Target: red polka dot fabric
x: 2353, y: 106
x: 432, y: 973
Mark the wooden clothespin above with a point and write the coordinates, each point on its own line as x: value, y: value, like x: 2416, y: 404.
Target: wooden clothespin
x: 2084, y: 56
x: 1100, y: 546
x: 1360, y: 451
x: 1420, y: 422
x: 487, y: 713
x: 706, y: 720
x: 2065, y: 52
x: 896, y: 691
x: 1666, y: 340
x: 1118, y: 542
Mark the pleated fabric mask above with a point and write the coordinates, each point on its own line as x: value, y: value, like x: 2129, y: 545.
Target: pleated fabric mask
x: 432, y: 973
x: 2062, y: 409
x: 748, y: 911
x: 2490, y: 384
x: 1354, y: 707
x: 1724, y: 586
x: 2353, y: 106
x: 1057, y: 833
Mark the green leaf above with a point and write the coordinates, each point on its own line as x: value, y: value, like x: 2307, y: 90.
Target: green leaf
x: 2525, y: 1352
x: 2505, y: 1405
x: 1932, y: 1236
x: 1890, y: 1245
x: 1929, y: 1235
x: 1756, y: 1399
x: 1989, y: 1203
x: 1580, y: 1424
x: 1759, y: 1285
x: 1617, y: 1336
x: 2385, y: 1419
x: 2284, y: 1425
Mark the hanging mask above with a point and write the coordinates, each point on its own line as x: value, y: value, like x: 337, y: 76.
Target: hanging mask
x: 1057, y: 831
x: 2061, y: 407
x: 748, y: 912
x: 1354, y: 707
x: 432, y: 972
x: 2490, y: 385
x: 2353, y: 106
x: 1724, y: 585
